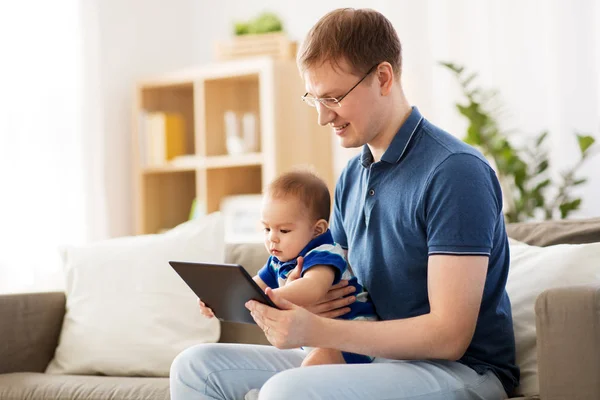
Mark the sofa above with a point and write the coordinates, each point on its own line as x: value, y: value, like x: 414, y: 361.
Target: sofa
x: 567, y: 322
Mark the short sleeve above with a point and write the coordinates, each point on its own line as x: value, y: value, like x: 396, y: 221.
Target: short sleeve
x: 326, y: 254
x: 337, y: 221
x: 462, y: 205
x: 268, y: 274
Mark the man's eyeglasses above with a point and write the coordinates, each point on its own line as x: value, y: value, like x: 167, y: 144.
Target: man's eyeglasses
x: 332, y: 102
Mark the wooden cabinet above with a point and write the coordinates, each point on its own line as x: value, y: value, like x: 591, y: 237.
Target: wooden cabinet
x: 286, y: 135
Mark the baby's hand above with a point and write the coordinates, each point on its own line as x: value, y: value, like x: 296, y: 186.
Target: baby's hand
x: 296, y: 272
x: 207, y: 312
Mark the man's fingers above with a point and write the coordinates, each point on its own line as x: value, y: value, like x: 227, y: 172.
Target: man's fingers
x: 335, y: 313
x: 258, y: 321
x: 334, y: 294
x: 324, y: 308
x: 340, y: 284
x: 261, y: 311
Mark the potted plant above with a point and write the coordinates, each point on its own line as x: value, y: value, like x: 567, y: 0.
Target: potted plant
x: 529, y: 189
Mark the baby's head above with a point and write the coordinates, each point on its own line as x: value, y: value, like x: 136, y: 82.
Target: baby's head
x: 295, y: 210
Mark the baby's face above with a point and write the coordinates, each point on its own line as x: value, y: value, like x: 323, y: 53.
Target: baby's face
x: 287, y: 226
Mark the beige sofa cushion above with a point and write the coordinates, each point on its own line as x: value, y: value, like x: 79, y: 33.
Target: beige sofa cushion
x: 546, y: 233
x: 128, y: 313
x: 31, y: 385
x: 251, y: 256
x: 533, y: 270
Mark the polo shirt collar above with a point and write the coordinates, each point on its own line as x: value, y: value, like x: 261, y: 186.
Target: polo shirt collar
x: 399, y: 143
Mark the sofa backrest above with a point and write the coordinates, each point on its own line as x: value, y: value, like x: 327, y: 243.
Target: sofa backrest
x: 547, y: 233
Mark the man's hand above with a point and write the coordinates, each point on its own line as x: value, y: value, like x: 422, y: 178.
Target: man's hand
x: 334, y: 304
x: 289, y: 327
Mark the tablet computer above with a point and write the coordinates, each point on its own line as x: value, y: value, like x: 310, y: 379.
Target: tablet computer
x: 225, y: 288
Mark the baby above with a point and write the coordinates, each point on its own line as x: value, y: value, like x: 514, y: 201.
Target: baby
x: 295, y: 215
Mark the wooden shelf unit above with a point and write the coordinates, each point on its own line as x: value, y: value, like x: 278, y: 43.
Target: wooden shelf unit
x: 287, y: 133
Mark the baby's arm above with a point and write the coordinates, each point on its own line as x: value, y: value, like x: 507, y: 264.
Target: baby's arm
x: 311, y: 288
x: 260, y: 282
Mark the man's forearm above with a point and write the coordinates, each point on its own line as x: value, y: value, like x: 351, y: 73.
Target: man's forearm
x: 422, y: 337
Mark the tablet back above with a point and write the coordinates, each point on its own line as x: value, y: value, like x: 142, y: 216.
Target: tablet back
x: 225, y: 288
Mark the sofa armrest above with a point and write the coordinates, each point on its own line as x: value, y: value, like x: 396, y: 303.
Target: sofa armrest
x: 30, y: 325
x: 568, y: 343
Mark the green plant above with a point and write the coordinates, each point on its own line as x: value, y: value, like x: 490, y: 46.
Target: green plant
x: 529, y: 189
x: 263, y: 23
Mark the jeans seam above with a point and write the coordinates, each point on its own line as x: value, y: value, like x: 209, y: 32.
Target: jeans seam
x: 231, y: 369
x: 478, y: 383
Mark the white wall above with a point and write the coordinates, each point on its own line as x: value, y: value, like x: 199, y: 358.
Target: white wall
x: 543, y: 56
x: 135, y: 38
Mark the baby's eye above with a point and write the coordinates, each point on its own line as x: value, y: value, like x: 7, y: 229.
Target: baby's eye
x: 285, y: 231
x: 267, y: 230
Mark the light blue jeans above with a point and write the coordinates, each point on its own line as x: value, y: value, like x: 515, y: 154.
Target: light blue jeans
x: 229, y: 371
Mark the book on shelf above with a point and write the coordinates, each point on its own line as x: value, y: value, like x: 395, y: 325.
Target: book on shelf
x: 162, y: 137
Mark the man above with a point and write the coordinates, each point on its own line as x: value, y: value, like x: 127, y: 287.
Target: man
x: 420, y: 214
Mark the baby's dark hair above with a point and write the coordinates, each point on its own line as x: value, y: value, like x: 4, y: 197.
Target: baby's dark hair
x: 307, y: 187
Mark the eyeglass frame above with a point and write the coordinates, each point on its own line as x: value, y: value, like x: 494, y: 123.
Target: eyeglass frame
x: 337, y: 100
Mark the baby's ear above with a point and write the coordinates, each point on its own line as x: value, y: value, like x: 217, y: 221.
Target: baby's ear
x: 320, y: 227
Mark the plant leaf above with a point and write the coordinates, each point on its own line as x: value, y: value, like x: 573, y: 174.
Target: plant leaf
x: 567, y: 207
x: 585, y: 141
x: 540, y: 139
x: 542, y: 166
x: 469, y: 79
x: 541, y: 185
x: 580, y: 181
x: 453, y: 67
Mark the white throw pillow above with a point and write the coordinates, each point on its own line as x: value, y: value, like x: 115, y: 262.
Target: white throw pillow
x: 128, y: 312
x: 532, y: 270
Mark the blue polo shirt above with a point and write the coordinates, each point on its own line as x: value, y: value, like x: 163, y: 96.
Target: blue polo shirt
x: 431, y: 193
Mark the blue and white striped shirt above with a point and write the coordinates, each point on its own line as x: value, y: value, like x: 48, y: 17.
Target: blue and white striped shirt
x: 322, y: 250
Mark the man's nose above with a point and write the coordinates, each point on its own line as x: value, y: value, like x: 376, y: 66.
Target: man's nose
x: 326, y: 115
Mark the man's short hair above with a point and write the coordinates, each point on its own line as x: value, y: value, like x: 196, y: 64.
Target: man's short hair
x: 362, y: 37
x: 305, y: 186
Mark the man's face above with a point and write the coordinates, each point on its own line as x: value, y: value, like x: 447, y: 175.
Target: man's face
x: 358, y: 121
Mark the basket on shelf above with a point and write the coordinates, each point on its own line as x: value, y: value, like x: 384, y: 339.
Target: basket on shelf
x: 276, y: 45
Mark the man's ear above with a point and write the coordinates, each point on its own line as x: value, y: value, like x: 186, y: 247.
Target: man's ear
x: 386, y: 78
x: 320, y: 227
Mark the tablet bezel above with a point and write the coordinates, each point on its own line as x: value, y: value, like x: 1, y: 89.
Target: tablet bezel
x: 233, y: 272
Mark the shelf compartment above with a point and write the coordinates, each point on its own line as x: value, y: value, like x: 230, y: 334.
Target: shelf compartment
x: 222, y: 182
x: 177, y: 99
x: 167, y: 199
x: 239, y: 94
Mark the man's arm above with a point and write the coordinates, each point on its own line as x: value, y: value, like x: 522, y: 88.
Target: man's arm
x: 455, y: 292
